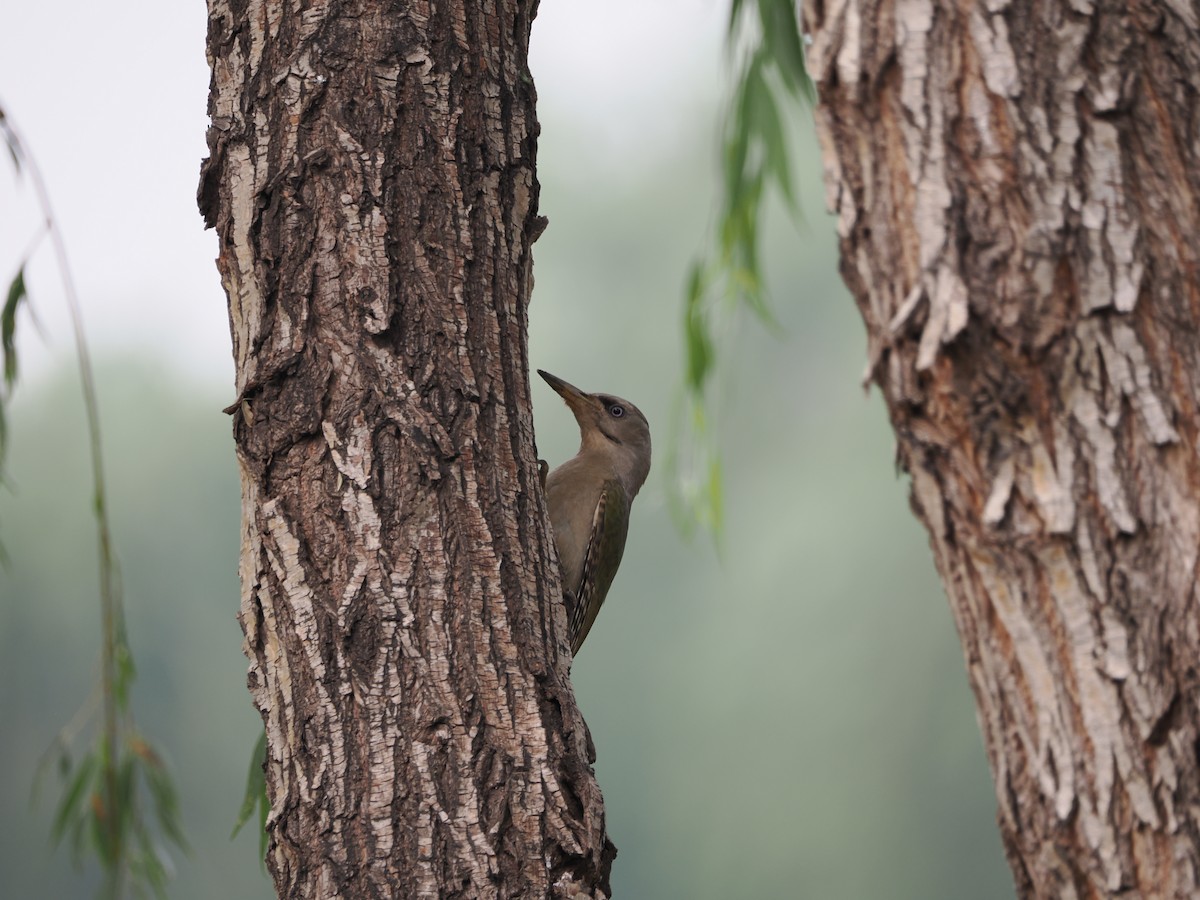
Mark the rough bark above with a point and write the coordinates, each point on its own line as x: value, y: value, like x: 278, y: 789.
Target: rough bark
x: 1016, y: 190
x: 372, y: 183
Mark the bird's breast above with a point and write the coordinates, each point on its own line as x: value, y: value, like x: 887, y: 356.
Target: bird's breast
x: 572, y: 491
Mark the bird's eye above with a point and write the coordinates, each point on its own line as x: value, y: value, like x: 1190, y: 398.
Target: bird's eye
x: 616, y: 411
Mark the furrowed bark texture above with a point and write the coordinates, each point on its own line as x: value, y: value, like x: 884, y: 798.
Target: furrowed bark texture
x: 1016, y: 189
x: 372, y: 183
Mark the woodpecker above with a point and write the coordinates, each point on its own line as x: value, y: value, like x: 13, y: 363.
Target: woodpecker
x: 590, y: 496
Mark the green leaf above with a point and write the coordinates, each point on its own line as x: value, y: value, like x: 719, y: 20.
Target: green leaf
x: 699, y: 343
x: 70, y: 811
x: 735, y: 9
x: 8, y: 326
x: 256, y: 785
x: 162, y: 791
x: 126, y: 672
x: 126, y: 799
x: 78, y: 833
x: 148, y: 865
x: 698, y: 280
x: 763, y: 117
x: 781, y: 38
x: 110, y: 889
x: 737, y: 150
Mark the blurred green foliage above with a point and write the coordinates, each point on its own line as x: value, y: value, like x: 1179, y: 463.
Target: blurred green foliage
x: 174, y: 508
x: 791, y: 721
x: 118, y: 802
x: 770, y: 89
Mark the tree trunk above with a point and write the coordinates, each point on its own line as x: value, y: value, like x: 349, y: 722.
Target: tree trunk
x: 1016, y: 189
x: 372, y: 183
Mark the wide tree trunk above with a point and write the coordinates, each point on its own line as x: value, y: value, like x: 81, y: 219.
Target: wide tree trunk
x: 1016, y: 186
x: 372, y: 183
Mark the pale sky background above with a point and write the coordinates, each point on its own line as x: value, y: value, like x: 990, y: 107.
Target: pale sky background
x: 111, y: 99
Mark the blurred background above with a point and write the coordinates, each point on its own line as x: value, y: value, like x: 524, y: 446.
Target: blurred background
x: 784, y: 714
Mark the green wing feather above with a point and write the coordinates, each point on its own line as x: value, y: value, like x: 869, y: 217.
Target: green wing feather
x: 606, y: 545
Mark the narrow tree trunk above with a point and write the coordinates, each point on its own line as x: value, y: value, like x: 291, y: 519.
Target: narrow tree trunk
x: 372, y: 183
x: 1016, y: 188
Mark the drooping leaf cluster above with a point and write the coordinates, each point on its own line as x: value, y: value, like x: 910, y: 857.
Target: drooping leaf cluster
x: 102, y: 811
x: 766, y: 47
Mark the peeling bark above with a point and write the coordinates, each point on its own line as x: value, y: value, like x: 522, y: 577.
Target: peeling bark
x: 1016, y: 190
x: 372, y: 183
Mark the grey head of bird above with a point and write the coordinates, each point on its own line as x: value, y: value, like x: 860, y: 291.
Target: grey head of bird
x: 610, y: 428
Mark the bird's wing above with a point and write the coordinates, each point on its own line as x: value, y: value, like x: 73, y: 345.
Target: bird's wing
x: 606, y: 545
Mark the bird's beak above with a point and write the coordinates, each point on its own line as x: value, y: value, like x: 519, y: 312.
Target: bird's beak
x: 579, y: 401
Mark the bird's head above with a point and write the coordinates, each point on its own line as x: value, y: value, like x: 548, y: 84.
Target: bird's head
x: 611, y: 426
